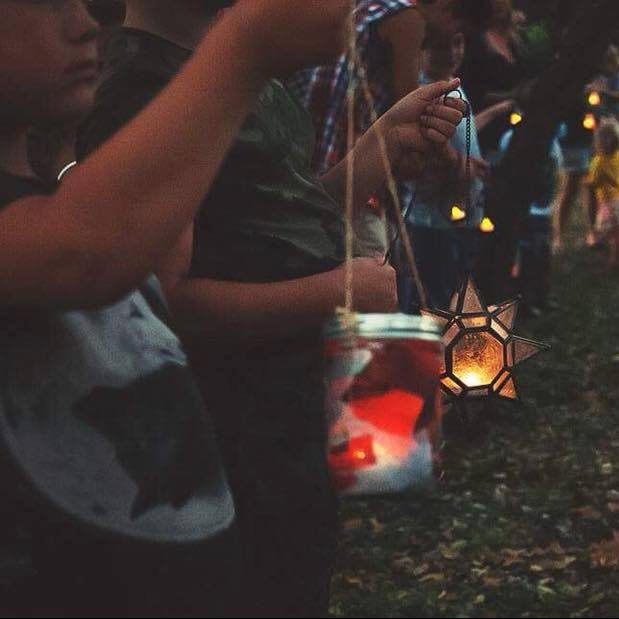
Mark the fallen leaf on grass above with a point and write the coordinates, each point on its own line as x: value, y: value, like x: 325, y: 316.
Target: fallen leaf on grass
x: 492, y: 582
x: 436, y: 577
x: 377, y: 526
x: 354, y: 581
x: 613, y: 495
x: 544, y: 590
x: 606, y: 468
x: 588, y: 512
x: 421, y: 570
x: 352, y: 524
x: 405, y: 564
x: 549, y: 564
x: 450, y: 553
x: 606, y: 552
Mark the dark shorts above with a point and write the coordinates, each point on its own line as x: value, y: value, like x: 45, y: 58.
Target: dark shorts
x: 287, y: 513
x: 83, y: 575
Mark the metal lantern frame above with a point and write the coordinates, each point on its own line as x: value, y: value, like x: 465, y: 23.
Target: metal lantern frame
x: 486, y: 335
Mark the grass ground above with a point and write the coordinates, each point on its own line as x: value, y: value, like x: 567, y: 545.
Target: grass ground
x: 526, y: 521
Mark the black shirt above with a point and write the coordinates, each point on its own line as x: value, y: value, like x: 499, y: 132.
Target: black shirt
x: 486, y: 71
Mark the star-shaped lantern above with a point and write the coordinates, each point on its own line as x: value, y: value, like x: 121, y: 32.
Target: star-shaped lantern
x: 480, y: 349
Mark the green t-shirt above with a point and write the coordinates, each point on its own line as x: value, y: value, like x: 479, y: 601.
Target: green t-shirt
x: 267, y: 218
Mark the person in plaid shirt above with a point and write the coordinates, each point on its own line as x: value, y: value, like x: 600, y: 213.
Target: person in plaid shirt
x: 322, y: 90
x: 390, y: 36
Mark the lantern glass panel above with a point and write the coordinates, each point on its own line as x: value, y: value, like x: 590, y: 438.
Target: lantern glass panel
x: 502, y: 378
x: 523, y: 350
x: 508, y: 390
x: 472, y: 304
x: 507, y: 316
x: 499, y: 330
x: 475, y: 322
x: 477, y: 359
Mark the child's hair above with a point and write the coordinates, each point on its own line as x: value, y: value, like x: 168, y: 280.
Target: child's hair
x: 607, y: 136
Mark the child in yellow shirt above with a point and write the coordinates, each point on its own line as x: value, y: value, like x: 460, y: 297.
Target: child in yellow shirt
x: 604, y: 181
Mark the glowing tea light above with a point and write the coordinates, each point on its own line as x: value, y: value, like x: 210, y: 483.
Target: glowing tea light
x: 473, y: 379
x: 457, y: 213
x: 486, y: 225
x: 360, y: 455
x: 589, y: 122
x: 515, y: 118
x: 594, y: 98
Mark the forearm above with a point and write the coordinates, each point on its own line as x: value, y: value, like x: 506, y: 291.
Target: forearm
x: 416, y: 128
x: 249, y: 314
x: 369, y: 174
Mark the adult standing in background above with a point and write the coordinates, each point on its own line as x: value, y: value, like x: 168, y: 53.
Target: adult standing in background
x: 493, y: 65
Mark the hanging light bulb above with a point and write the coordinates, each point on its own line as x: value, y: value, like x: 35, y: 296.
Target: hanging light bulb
x: 589, y: 122
x: 515, y: 118
x: 486, y: 225
x: 457, y: 213
x: 594, y: 98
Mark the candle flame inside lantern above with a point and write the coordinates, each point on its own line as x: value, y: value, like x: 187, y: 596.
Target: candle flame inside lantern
x: 594, y: 98
x: 486, y: 225
x: 457, y: 213
x: 515, y: 118
x: 473, y: 379
x: 589, y: 122
x: 477, y: 359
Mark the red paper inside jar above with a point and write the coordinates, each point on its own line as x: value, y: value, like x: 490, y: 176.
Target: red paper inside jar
x: 391, y: 398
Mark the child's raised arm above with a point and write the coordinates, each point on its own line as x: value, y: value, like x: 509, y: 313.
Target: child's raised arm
x: 415, y: 129
x: 112, y: 220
